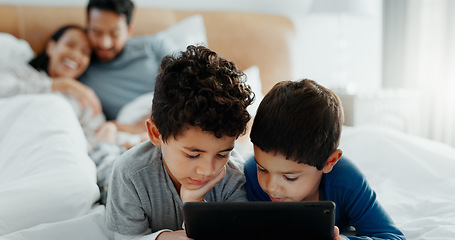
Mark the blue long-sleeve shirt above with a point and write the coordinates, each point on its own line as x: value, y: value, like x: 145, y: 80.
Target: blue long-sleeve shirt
x: 356, y: 203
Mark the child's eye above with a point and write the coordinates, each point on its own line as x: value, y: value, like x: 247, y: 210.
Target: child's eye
x: 261, y: 170
x: 193, y: 156
x: 290, y: 179
x: 222, y: 156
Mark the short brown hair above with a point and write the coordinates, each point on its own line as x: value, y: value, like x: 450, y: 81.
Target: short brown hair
x: 301, y: 120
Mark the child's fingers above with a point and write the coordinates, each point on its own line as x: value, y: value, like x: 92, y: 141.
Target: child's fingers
x: 210, y: 184
x: 198, y: 194
x: 337, y: 233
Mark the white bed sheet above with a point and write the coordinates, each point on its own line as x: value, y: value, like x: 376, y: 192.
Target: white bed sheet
x: 46, y: 175
x: 48, y: 190
x: 413, y: 177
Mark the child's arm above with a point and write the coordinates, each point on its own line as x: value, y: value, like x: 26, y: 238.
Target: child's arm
x: 160, y: 235
x: 130, y: 209
x: 363, y: 211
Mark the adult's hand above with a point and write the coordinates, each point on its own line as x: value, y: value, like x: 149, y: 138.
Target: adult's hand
x: 82, y: 93
x: 135, y: 128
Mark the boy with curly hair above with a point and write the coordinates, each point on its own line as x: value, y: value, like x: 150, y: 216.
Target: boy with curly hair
x: 199, y: 110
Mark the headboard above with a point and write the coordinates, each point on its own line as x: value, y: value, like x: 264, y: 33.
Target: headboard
x: 245, y: 38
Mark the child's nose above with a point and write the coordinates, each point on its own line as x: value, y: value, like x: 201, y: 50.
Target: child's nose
x: 271, y: 184
x: 206, y: 168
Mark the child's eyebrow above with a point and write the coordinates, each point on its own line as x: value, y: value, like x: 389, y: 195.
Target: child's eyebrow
x: 288, y: 172
x: 258, y: 163
x: 193, y: 149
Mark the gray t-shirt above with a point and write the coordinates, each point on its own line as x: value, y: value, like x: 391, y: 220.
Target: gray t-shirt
x: 131, y: 74
x: 142, y: 195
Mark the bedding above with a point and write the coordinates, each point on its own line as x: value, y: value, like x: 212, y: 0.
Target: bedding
x: 46, y: 175
x: 47, y: 181
x: 14, y: 50
x: 412, y: 176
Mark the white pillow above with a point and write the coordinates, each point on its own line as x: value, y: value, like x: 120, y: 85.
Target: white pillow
x: 189, y: 31
x: 253, y: 79
x: 13, y: 50
x: 135, y: 110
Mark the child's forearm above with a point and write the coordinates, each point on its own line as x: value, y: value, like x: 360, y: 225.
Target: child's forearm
x: 147, y: 235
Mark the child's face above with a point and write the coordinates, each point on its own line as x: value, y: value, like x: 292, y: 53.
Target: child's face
x: 286, y: 180
x: 195, y: 157
x: 70, y: 55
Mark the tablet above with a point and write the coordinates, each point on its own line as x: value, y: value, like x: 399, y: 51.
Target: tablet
x: 259, y: 220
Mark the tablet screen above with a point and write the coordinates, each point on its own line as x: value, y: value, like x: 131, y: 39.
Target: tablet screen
x: 260, y: 220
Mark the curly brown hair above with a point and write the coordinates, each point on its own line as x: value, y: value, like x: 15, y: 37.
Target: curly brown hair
x: 198, y: 88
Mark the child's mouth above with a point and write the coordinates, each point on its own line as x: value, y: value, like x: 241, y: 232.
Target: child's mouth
x: 198, y: 182
x: 275, y: 199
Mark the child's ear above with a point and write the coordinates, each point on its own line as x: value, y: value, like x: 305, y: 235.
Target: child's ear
x: 332, y: 160
x: 153, y: 133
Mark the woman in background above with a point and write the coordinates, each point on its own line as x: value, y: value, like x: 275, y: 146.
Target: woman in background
x: 65, y: 57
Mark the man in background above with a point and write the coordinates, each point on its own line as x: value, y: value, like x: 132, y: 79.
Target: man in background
x: 122, y: 68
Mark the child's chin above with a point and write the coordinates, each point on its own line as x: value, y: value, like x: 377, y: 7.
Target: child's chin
x: 194, y: 187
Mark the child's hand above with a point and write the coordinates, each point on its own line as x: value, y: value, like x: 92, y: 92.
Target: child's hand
x: 177, y: 235
x: 337, y: 234
x: 197, y: 195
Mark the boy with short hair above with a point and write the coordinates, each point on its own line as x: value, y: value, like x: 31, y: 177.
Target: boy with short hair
x: 199, y: 110
x: 296, y: 132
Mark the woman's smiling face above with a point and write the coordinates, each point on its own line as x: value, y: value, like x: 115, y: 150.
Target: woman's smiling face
x: 70, y: 55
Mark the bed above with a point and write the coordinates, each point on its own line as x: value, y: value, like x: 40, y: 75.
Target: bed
x: 48, y: 184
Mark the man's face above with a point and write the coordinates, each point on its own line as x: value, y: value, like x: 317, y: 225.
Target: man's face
x: 108, y: 33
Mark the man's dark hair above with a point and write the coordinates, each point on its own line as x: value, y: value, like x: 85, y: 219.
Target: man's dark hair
x: 120, y: 7
x: 301, y: 120
x: 198, y: 88
x: 41, y: 61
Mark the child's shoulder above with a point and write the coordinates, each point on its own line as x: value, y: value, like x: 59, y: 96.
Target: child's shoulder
x: 236, y: 161
x: 345, y: 175
x: 234, y: 167
x: 140, y: 156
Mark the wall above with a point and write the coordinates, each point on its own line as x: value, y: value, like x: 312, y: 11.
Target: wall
x: 339, y: 51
